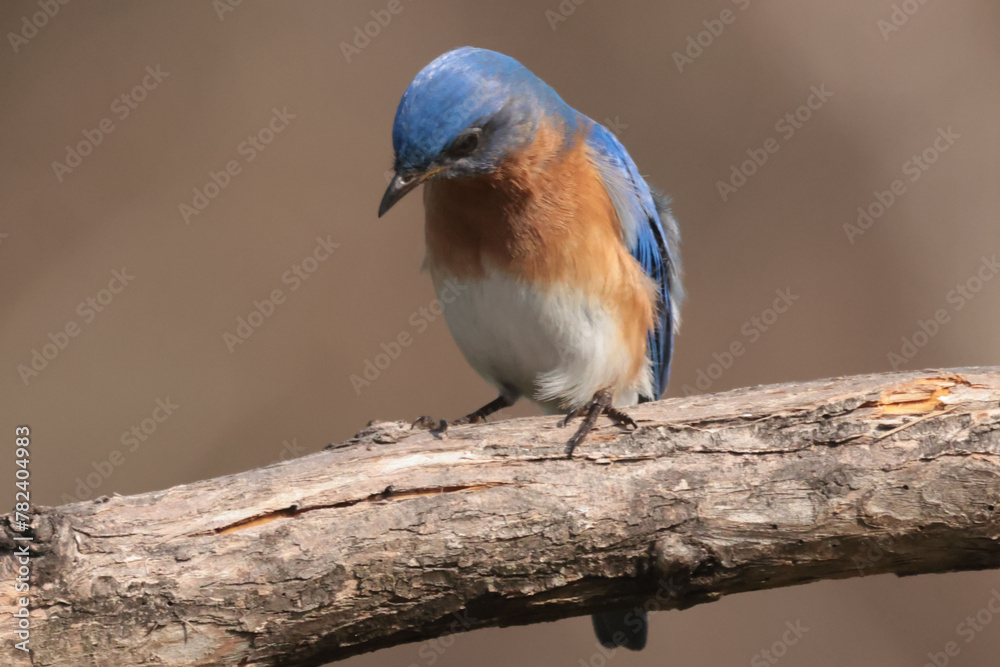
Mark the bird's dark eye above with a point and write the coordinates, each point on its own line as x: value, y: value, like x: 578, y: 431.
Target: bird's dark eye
x: 466, y: 144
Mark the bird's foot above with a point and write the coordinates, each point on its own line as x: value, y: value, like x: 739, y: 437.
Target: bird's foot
x: 430, y: 424
x: 618, y: 416
x: 599, y: 404
x: 480, y: 415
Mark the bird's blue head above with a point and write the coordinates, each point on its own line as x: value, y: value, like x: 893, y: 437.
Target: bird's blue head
x: 464, y: 114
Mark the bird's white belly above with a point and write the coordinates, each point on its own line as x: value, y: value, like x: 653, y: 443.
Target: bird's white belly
x: 556, y: 347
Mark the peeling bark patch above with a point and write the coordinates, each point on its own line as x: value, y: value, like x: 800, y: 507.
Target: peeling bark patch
x: 252, y: 522
x: 919, y: 396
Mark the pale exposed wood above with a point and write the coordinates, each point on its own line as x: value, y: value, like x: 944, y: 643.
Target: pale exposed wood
x: 397, y: 536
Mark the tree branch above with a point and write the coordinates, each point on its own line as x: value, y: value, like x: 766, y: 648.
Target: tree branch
x: 397, y: 536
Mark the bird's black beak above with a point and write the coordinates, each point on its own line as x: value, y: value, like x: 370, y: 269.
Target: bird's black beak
x: 400, y: 185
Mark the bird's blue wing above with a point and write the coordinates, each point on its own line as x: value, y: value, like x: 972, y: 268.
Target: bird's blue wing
x: 651, y: 234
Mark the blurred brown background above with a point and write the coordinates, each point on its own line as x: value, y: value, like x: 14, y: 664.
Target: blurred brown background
x: 215, y: 77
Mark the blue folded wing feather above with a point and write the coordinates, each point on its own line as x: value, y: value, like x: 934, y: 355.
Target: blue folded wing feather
x: 651, y: 234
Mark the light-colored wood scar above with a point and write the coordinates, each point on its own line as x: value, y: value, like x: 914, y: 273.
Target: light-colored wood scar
x: 544, y: 217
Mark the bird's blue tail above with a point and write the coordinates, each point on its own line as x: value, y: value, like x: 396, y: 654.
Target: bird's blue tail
x: 621, y: 627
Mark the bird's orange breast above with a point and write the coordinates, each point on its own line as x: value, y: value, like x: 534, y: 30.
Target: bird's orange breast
x: 545, y: 218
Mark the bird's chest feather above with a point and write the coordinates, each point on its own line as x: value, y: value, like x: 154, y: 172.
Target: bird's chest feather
x: 551, y: 303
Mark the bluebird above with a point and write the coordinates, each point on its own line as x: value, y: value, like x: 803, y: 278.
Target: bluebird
x: 568, y: 261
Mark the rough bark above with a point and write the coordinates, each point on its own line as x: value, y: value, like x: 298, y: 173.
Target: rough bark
x: 397, y: 535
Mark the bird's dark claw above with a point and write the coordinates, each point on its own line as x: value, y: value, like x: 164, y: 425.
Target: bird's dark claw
x: 431, y: 424
x: 620, y: 417
x: 563, y: 423
x: 438, y: 426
